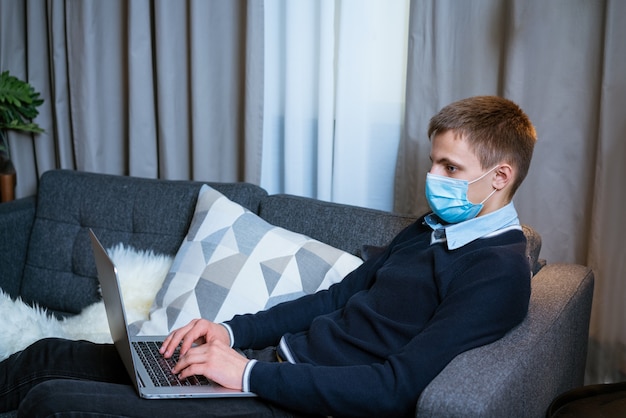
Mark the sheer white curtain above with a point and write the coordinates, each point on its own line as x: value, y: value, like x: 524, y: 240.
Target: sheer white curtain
x: 169, y: 89
x: 564, y: 62
x: 334, y: 82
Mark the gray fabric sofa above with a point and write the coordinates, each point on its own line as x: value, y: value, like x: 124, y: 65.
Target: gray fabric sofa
x: 45, y: 257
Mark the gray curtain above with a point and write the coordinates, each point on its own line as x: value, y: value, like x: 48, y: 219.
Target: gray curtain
x: 564, y: 62
x: 167, y: 89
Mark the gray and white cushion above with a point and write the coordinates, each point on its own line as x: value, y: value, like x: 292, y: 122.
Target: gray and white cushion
x: 233, y: 262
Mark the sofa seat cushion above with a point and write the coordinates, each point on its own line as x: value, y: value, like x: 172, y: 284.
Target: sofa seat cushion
x: 233, y: 262
x: 147, y: 214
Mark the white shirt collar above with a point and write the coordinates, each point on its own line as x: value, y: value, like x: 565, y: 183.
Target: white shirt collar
x: 459, y: 234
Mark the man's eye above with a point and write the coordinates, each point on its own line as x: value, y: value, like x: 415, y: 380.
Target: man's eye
x: 451, y: 168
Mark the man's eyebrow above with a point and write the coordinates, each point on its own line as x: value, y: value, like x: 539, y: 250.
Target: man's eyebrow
x: 445, y: 160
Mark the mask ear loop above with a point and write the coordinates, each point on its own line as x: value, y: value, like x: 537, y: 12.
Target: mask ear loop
x: 483, y: 175
x: 490, y: 194
x: 494, y: 189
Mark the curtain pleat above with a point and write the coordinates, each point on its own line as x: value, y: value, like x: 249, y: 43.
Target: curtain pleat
x: 606, y: 249
x: 254, y: 91
x: 143, y: 133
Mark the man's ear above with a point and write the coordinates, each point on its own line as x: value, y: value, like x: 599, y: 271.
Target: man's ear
x: 504, y: 176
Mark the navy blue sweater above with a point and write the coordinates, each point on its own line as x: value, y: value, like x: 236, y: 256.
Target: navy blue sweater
x: 369, y: 345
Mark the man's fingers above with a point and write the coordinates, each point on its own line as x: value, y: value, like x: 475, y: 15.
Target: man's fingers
x: 173, y: 340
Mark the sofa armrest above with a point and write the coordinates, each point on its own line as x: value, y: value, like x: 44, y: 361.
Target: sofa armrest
x: 520, y: 374
x: 16, y: 221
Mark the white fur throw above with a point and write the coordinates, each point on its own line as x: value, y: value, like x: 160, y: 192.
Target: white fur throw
x: 141, y: 276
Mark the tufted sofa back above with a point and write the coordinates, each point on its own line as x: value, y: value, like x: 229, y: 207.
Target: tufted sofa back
x: 148, y: 214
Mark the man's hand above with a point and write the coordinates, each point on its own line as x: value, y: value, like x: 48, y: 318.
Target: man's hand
x: 215, y: 360
x: 211, y: 356
x: 198, y: 331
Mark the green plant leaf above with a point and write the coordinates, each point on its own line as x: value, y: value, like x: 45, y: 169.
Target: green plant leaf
x: 18, y: 104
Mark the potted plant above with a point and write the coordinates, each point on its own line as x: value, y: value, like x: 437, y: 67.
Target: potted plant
x: 18, y: 108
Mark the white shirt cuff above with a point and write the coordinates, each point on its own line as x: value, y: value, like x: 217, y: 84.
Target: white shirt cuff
x: 230, y: 333
x: 245, y: 380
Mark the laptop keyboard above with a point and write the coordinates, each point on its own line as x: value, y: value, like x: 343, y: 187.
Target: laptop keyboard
x: 160, y: 369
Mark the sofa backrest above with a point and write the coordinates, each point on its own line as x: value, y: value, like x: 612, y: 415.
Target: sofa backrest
x: 144, y: 213
x: 342, y: 226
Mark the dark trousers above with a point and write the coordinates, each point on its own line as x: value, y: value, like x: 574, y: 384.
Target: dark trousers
x: 55, y: 377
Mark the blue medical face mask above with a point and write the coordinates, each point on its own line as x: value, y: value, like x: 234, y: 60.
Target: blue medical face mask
x: 447, y: 197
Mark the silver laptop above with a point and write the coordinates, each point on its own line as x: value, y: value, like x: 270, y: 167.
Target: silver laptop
x: 149, y: 371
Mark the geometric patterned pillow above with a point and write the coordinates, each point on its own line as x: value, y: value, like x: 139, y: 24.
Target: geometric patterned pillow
x: 233, y: 262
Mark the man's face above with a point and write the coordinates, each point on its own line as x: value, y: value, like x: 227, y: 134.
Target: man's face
x: 451, y: 157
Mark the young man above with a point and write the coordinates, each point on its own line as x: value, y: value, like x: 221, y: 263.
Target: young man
x: 456, y: 279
